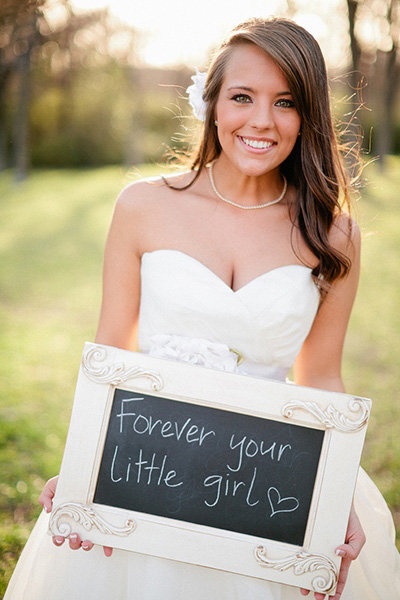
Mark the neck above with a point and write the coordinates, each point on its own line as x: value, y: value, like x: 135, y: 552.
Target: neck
x: 246, y: 189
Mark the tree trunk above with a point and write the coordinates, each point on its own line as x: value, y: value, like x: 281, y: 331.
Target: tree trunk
x: 291, y: 8
x: 352, y: 136
x: 21, y: 122
x: 352, y: 6
x: 385, y: 131
x: 3, y: 128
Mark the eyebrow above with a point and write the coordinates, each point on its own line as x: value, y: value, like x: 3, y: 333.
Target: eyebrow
x: 249, y: 89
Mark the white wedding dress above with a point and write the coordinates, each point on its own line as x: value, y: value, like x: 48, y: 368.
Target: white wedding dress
x: 188, y: 313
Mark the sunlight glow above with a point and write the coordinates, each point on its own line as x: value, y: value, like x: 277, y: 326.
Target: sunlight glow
x: 182, y: 32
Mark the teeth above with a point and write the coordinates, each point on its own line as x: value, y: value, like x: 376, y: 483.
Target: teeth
x: 256, y: 143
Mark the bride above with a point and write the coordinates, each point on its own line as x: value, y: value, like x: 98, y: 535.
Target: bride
x: 250, y: 249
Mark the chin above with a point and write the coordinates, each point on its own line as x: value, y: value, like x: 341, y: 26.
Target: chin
x: 252, y: 169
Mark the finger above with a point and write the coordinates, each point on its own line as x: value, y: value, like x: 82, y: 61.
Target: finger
x: 58, y: 540
x: 344, y: 570
x: 74, y: 541
x: 107, y: 550
x: 45, y: 499
x: 304, y: 591
x: 47, y: 495
x: 355, y: 538
x: 352, y: 549
x: 319, y: 596
x: 87, y: 545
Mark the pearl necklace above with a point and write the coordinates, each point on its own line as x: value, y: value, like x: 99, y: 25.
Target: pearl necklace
x: 270, y: 203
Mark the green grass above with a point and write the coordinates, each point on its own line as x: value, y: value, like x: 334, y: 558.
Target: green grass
x: 51, y: 247
x: 373, y: 341
x: 53, y: 233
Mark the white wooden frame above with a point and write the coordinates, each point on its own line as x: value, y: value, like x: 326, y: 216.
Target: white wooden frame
x: 313, y: 566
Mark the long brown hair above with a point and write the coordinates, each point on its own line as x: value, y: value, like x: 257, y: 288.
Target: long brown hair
x: 315, y: 166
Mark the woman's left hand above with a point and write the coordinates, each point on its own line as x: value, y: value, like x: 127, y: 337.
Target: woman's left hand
x: 355, y: 540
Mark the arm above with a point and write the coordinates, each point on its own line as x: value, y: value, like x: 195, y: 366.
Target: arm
x: 121, y: 276
x: 319, y: 361
x: 319, y: 365
x: 120, y: 305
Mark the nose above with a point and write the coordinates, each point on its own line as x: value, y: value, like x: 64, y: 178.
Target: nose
x: 261, y: 116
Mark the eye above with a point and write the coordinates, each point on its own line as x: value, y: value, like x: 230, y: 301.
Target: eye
x: 241, y: 98
x: 285, y: 103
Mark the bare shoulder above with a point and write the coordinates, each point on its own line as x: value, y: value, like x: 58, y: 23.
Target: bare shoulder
x: 139, y: 195
x: 146, y: 210
x: 345, y: 235
x: 135, y: 197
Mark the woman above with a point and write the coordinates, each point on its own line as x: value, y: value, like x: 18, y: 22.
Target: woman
x: 250, y: 249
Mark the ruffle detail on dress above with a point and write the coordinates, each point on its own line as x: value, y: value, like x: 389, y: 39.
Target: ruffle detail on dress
x: 196, y: 351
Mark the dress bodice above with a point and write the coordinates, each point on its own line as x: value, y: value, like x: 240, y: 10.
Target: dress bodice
x: 266, y: 320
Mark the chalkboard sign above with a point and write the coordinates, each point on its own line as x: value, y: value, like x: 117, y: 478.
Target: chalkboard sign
x: 208, y: 466
x: 215, y: 469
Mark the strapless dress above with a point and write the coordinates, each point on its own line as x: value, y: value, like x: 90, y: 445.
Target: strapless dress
x: 188, y: 313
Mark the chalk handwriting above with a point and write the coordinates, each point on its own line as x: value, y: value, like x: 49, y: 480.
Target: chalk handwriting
x: 229, y: 488
x: 143, y: 468
x: 224, y: 486
x: 209, y: 466
x: 275, y: 499
x: 142, y: 424
x: 252, y: 448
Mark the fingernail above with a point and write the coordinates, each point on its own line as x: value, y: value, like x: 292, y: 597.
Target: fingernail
x: 85, y: 546
x: 340, y: 552
x: 73, y: 536
x: 58, y: 541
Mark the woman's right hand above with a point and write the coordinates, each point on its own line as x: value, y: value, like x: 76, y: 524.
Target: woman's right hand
x: 46, y: 500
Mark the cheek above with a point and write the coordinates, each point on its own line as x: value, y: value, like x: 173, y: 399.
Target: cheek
x: 228, y: 116
x: 228, y: 120
x: 297, y: 122
x: 291, y: 128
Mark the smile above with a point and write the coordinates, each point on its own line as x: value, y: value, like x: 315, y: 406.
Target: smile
x: 258, y: 144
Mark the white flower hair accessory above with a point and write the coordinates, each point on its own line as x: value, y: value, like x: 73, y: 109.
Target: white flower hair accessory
x: 195, y: 93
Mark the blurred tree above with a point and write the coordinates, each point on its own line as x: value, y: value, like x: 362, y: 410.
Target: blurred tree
x: 352, y: 6
x: 19, y: 35
x: 291, y: 8
x: 374, y: 27
x: 76, y: 78
x: 27, y: 26
x: 353, y: 133
x: 374, y: 33
x: 80, y: 90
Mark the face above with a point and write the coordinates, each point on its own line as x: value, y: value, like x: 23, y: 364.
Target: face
x: 258, y: 123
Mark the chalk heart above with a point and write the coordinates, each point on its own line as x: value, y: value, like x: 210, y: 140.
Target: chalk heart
x: 279, y: 504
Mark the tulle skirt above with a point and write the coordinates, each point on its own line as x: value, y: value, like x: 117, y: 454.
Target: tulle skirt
x: 45, y: 572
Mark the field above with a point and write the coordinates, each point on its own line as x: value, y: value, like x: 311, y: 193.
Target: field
x: 53, y: 233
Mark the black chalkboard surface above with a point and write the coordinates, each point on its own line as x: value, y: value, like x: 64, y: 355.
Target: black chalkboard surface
x: 209, y: 466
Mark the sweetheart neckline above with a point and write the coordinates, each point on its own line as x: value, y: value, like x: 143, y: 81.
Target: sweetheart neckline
x: 217, y: 277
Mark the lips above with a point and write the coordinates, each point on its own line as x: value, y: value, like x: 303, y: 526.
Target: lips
x: 256, y: 144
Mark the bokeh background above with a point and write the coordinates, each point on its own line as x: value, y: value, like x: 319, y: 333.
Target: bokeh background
x: 92, y: 95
